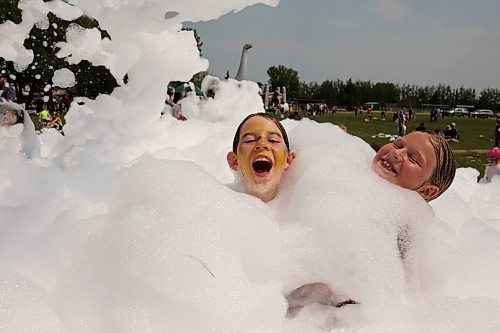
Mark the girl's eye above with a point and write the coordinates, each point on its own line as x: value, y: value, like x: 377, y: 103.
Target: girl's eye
x: 413, y: 159
x: 248, y: 140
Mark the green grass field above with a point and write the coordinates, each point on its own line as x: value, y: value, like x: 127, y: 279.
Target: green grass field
x: 476, y: 135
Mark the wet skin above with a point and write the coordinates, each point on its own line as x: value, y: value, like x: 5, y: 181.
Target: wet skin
x: 261, y: 157
x: 408, y: 162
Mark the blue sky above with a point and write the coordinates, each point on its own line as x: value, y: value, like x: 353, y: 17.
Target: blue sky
x: 403, y: 41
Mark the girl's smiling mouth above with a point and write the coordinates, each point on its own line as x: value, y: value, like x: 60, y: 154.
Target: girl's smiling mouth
x: 388, y: 166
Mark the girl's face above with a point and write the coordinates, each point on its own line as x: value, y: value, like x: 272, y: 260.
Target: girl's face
x: 408, y: 162
x: 261, y: 157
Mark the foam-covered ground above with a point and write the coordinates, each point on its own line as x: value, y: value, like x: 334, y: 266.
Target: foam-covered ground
x: 127, y: 222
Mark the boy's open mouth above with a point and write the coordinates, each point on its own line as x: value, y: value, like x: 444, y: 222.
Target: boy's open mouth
x: 262, y: 166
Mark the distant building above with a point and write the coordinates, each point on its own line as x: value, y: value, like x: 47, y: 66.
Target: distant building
x: 373, y: 105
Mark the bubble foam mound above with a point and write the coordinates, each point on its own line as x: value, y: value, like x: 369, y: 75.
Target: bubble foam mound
x: 127, y: 223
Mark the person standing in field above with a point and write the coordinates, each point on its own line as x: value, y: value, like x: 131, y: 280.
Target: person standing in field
x: 497, y: 131
x: 401, y: 123
x: 493, y: 169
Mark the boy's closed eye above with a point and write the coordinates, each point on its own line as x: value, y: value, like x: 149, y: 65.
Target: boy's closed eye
x: 274, y: 139
x: 248, y: 138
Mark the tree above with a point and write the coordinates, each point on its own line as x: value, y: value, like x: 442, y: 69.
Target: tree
x: 91, y: 80
x: 308, y: 89
x: 282, y: 76
x: 198, y: 78
x: 327, y: 92
x: 349, y: 92
x: 386, y: 92
x: 9, y: 11
x: 488, y: 98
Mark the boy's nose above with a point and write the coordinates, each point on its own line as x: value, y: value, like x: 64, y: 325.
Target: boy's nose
x: 261, y: 144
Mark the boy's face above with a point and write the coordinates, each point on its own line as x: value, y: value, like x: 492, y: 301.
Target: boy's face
x: 408, y: 162
x: 261, y: 157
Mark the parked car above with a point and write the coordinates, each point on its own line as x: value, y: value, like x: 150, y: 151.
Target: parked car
x: 448, y: 112
x: 461, y: 112
x: 482, y: 113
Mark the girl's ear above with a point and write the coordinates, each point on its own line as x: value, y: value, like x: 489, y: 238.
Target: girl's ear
x: 289, y: 159
x: 428, y: 192
x: 232, y: 161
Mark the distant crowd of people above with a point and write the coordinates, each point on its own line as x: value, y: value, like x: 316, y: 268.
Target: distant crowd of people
x: 450, y: 134
x: 7, y: 92
x: 49, y: 112
x: 50, y: 119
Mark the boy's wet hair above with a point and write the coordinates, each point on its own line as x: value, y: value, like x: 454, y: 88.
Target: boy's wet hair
x: 236, y: 139
x: 444, y: 173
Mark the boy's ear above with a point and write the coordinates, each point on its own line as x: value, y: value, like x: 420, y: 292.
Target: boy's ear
x: 232, y: 161
x: 289, y: 159
x: 428, y: 192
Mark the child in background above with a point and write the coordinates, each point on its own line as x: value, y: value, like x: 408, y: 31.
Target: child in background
x: 44, y: 116
x: 56, y: 122
x: 493, y: 169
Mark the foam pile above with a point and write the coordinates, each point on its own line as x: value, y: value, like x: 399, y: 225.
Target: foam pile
x: 127, y: 222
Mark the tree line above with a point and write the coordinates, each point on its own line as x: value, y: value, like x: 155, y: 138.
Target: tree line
x: 94, y: 80
x: 356, y: 93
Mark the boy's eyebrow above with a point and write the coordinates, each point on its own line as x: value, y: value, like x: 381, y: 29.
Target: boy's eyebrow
x: 254, y: 134
x: 248, y: 134
x: 276, y: 133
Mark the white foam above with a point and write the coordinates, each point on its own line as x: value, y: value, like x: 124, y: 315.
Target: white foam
x: 127, y: 224
x: 63, y: 78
